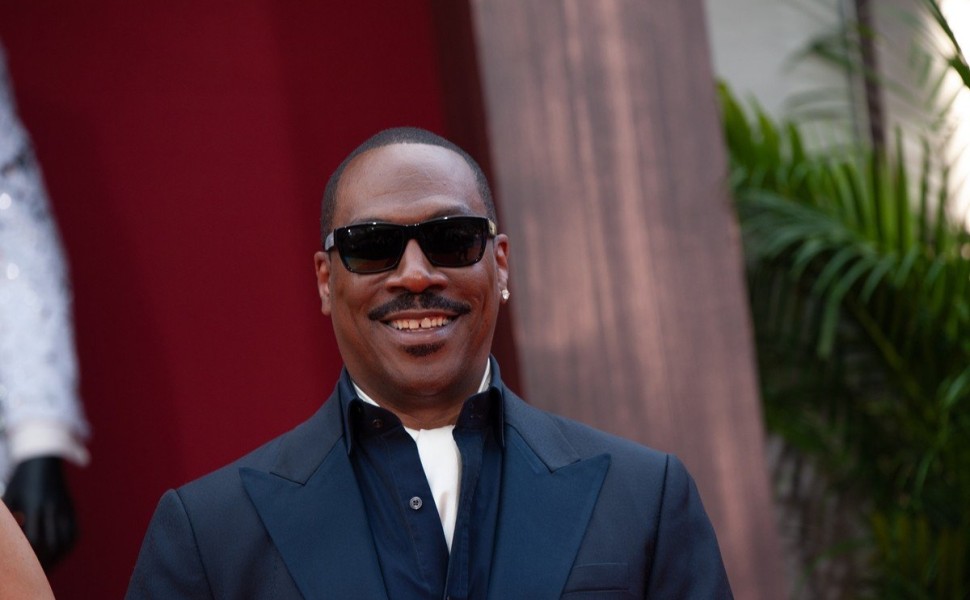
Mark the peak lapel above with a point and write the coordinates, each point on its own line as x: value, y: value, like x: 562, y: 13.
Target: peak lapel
x: 548, y: 495
x: 320, y: 529
x: 313, y: 510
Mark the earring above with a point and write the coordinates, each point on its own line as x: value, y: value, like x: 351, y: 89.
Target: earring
x: 505, y: 295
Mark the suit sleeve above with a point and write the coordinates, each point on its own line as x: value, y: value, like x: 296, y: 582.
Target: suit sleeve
x: 169, y: 564
x: 687, y: 562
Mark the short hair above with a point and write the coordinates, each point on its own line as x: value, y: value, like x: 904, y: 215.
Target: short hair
x: 399, y: 135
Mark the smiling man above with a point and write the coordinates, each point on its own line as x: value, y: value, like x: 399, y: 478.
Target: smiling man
x: 423, y: 476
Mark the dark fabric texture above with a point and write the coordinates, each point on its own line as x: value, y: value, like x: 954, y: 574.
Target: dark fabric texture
x: 581, y: 514
x: 411, y: 547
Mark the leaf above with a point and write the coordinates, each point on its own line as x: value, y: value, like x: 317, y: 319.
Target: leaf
x: 860, y: 293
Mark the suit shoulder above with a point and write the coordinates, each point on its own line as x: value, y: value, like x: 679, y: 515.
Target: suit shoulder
x: 584, y: 440
x: 225, y: 480
x: 589, y: 440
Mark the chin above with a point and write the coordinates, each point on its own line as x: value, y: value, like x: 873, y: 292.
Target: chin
x: 422, y: 350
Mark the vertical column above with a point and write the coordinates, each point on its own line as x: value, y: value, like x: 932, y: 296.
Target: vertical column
x: 628, y: 303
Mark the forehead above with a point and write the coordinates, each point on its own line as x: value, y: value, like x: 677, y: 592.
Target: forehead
x: 406, y: 183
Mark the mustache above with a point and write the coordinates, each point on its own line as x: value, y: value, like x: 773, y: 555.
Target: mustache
x: 427, y: 300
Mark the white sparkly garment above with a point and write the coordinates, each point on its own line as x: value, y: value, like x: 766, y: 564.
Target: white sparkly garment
x: 38, y: 367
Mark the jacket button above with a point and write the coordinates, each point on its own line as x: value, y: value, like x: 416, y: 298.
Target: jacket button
x: 415, y: 503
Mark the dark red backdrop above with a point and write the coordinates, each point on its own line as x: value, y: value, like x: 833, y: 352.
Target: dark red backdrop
x: 185, y: 146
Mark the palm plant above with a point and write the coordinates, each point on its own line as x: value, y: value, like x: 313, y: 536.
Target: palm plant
x: 859, y: 276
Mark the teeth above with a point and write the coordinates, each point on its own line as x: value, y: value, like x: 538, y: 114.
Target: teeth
x: 425, y: 323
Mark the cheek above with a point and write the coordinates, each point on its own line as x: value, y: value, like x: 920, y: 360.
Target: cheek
x: 482, y: 292
x: 353, y: 302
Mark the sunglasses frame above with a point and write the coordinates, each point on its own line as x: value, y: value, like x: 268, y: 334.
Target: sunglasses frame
x: 410, y: 232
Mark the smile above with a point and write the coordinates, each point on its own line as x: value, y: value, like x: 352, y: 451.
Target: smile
x: 419, y: 324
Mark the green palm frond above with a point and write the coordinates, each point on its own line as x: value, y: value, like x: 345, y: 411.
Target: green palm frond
x: 860, y: 288
x: 956, y: 59
x: 923, y: 41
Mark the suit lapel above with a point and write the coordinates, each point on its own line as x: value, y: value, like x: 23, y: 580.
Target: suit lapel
x: 313, y: 510
x: 547, y: 498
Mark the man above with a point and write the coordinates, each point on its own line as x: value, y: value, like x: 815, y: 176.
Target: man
x: 423, y: 476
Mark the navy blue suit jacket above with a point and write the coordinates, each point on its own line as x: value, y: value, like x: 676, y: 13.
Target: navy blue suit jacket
x: 583, y: 514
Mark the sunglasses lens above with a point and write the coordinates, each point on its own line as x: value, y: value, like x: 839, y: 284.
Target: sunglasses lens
x: 369, y: 248
x: 446, y: 242
x: 454, y: 242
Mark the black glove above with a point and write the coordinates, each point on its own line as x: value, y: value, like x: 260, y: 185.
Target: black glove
x: 37, y: 496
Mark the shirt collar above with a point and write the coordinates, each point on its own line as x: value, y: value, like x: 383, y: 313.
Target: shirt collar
x: 486, y: 380
x: 488, y: 400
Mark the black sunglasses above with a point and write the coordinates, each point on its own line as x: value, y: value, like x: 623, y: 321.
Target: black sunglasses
x: 446, y: 242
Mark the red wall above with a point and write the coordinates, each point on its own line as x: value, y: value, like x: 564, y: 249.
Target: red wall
x: 185, y: 146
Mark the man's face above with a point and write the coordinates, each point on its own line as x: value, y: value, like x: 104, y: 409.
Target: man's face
x: 455, y: 308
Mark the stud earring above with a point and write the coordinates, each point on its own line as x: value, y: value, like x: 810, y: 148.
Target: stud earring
x: 505, y: 295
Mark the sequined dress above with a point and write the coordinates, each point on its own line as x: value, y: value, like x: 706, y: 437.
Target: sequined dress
x: 38, y: 366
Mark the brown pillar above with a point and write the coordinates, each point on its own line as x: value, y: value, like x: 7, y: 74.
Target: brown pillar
x: 628, y: 303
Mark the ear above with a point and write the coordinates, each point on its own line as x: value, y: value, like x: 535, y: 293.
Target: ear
x: 321, y: 261
x: 501, y: 245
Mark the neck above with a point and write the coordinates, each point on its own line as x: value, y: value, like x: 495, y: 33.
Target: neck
x: 424, y: 411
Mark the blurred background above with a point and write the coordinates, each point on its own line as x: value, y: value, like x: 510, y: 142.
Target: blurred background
x: 185, y: 147
x: 847, y: 126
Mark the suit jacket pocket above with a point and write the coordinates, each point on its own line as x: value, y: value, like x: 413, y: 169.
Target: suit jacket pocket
x: 600, y: 577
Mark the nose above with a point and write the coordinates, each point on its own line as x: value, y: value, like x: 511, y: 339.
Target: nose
x: 415, y: 273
